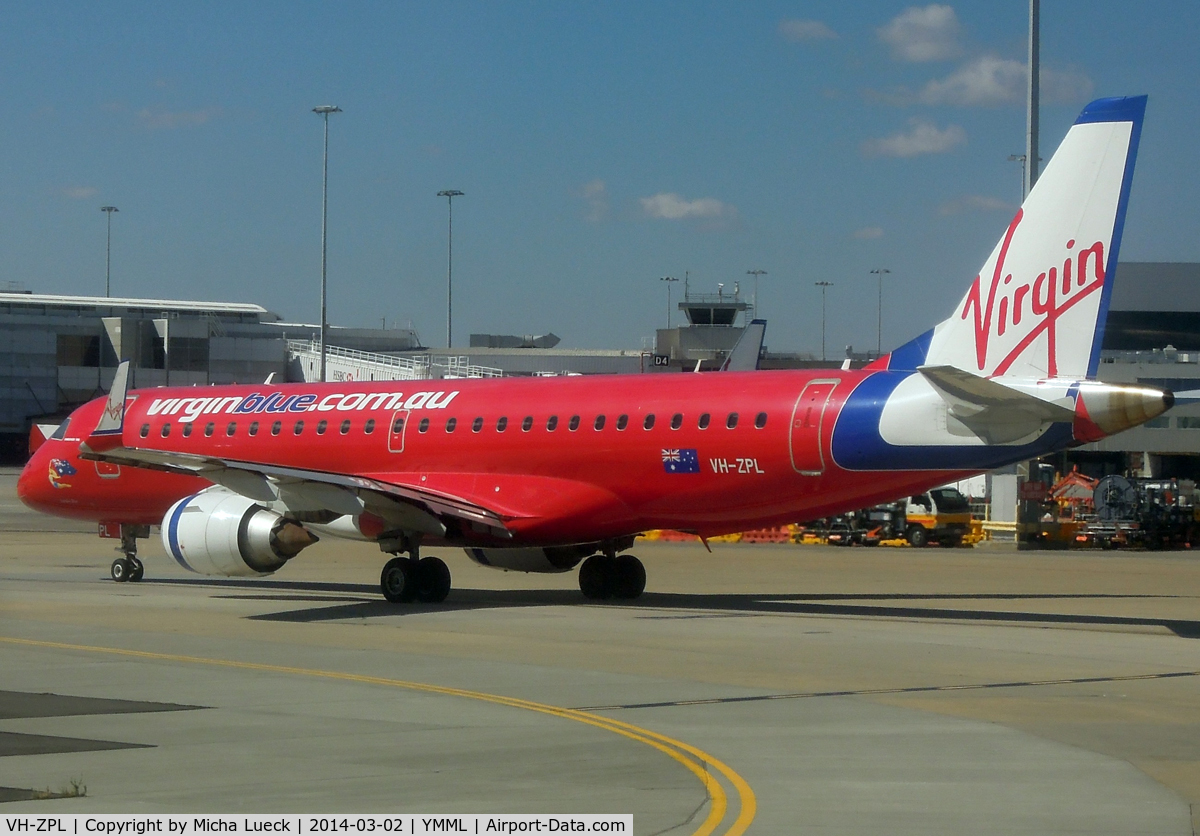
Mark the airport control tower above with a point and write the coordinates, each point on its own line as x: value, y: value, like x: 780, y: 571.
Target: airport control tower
x: 710, y: 334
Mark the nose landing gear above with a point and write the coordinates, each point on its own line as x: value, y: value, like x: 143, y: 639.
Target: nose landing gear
x: 128, y: 567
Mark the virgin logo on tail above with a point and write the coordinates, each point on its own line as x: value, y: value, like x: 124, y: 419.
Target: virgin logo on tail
x: 1034, y: 306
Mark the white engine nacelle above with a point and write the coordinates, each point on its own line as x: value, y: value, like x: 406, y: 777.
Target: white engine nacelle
x: 551, y: 559
x: 219, y: 532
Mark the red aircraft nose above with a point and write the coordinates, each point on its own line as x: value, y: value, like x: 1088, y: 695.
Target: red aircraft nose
x: 33, y: 485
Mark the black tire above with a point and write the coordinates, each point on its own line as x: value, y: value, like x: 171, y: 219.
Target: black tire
x: 918, y: 536
x: 138, y: 570
x: 120, y: 570
x: 396, y: 580
x: 432, y: 581
x: 629, y: 578
x: 596, y: 577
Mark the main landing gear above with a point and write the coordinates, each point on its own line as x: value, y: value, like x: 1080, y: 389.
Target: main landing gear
x: 415, y: 578
x: 619, y: 576
x: 127, y: 567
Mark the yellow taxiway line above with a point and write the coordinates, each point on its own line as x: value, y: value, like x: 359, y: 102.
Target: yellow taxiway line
x: 695, y: 760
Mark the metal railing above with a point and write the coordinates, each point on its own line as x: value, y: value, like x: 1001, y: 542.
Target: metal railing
x: 351, y: 364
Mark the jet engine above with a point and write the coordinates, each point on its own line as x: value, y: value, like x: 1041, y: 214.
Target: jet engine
x: 551, y: 559
x: 219, y: 532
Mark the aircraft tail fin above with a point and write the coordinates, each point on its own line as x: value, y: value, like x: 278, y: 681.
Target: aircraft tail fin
x: 747, y: 350
x: 1037, y: 308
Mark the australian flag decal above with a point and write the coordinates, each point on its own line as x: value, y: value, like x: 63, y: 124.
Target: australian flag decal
x: 680, y: 461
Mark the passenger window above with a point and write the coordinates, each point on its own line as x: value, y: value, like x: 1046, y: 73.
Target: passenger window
x: 321, y: 426
x: 648, y: 424
x: 253, y: 428
x: 477, y: 425
x: 369, y: 427
x: 166, y: 429
x: 599, y: 422
x: 551, y: 423
x: 423, y: 426
x: 232, y: 428
x: 572, y: 425
x: 299, y: 428
x: 451, y: 423
x: 760, y: 420
x: 187, y: 430
x: 501, y: 424
x: 527, y: 424
x: 208, y: 429
x: 345, y: 428
x: 703, y: 422
x: 145, y: 430
x: 731, y: 421
x: 677, y: 420
x: 275, y: 428
x: 398, y: 426
x: 622, y: 422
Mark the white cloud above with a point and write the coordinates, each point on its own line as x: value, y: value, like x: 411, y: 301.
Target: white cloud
x: 987, y: 80
x: 595, y: 195
x: 868, y: 233
x: 1065, y: 86
x: 178, y: 119
x: 805, y: 30
x: 975, y: 203
x: 670, y: 206
x: 79, y: 192
x: 923, y: 34
x: 990, y: 80
x: 921, y: 138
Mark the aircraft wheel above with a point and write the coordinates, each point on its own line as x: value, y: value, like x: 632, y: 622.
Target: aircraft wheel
x: 629, y: 578
x: 396, y: 580
x: 432, y: 580
x: 120, y: 570
x: 595, y: 577
x: 137, y: 570
x: 918, y: 536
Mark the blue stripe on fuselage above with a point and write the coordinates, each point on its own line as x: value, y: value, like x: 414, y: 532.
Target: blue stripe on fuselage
x: 858, y: 445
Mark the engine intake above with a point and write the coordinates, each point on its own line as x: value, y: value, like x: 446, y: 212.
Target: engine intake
x: 219, y: 532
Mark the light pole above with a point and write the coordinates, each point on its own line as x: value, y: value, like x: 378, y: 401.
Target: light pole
x: 450, y: 194
x: 324, y: 111
x: 668, y: 280
x: 108, y: 210
x: 756, y: 274
x: 881, y: 272
x: 823, y: 286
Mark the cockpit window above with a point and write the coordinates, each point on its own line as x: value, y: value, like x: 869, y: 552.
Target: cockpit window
x: 61, y: 432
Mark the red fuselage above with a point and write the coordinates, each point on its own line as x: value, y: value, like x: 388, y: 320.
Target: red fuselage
x: 560, y: 459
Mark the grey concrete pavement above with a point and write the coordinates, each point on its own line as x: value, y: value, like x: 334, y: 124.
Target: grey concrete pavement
x: 760, y: 634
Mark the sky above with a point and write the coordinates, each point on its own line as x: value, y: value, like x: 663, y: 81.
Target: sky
x: 600, y: 147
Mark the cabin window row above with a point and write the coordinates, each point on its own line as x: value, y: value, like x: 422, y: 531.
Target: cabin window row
x: 322, y: 426
x: 598, y: 423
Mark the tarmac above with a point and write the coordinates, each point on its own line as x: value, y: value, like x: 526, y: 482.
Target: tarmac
x: 787, y: 689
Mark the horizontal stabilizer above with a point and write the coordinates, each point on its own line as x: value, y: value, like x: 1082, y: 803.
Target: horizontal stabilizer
x: 994, y: 412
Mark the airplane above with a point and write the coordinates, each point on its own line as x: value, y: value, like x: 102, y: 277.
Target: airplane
x: 546, y: 474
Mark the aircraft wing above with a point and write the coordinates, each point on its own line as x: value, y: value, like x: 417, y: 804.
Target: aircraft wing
x: 298, y: 489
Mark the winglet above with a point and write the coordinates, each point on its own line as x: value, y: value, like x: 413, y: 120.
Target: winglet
x: 108, y: 432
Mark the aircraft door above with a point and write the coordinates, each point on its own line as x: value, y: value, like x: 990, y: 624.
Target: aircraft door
x: 808, y: 420
x: 396, y: 431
